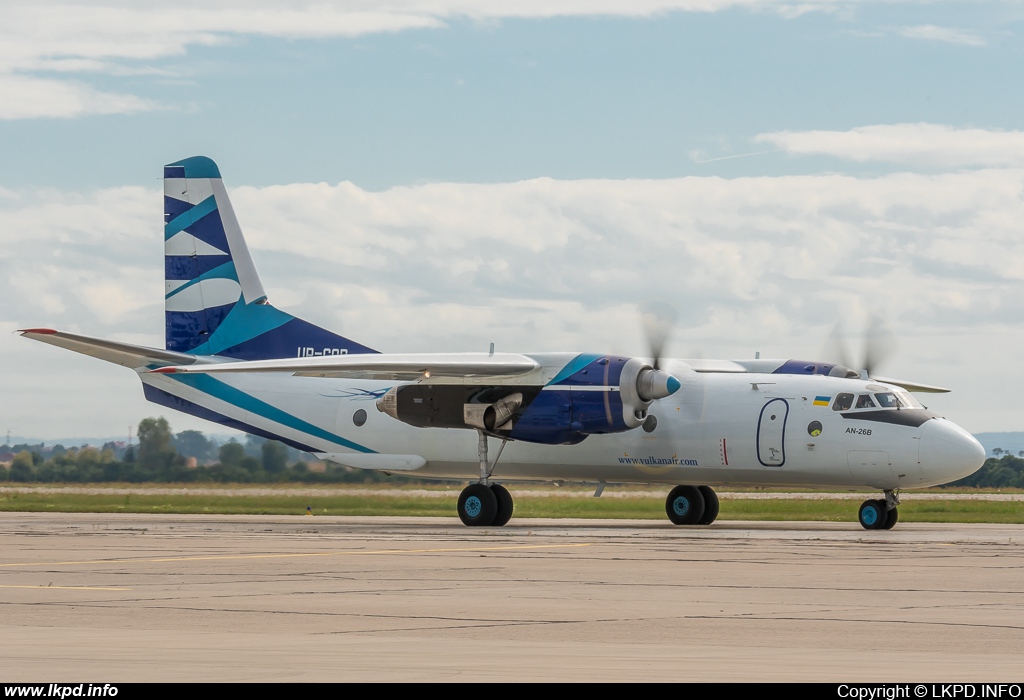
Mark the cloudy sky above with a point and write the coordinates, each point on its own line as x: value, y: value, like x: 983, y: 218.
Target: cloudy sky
x: 440, y: 174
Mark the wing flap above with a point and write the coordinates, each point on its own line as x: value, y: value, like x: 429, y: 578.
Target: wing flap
x: 399, y: 367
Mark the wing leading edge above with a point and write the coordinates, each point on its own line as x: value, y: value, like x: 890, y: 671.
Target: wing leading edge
x: 398, y: 367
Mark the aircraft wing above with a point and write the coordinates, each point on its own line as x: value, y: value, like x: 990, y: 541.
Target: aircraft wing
x: 913, y: 386
x: 124, y: 354
x: 400, y: 367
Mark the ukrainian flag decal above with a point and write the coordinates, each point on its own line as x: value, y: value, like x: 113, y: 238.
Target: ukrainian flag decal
x: 822, y: 400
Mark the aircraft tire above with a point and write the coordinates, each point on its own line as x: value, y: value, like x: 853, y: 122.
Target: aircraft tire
x: 872, y: 514
x: 891, y: 516
x: 710, y: 505
x: 477, y: 505
x: 505, y: 505
x: 685, y: 505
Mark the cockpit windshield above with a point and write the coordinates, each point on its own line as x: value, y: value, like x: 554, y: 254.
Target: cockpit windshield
x: 909, y: 401
x: 843, y: 402
x: 888, y: 400
x: 882, y: 399
x: 864, y: 401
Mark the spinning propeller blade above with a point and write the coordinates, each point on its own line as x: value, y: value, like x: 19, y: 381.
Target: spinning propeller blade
x: 877, y: 344
x: 658, y: 319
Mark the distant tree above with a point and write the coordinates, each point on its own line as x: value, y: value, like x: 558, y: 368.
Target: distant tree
x: 231, y: 453
x: 192, y: 443
x: 274, y: 456
x: 88, y: 455
x: 254, y: 445
x: 997, y: 451
x: 155, y: 449
x: 21, y: 467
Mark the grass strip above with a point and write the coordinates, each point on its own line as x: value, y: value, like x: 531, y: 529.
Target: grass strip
x: 827, y: 510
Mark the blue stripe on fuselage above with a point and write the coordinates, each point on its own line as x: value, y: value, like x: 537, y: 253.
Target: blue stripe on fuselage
x: 246, y: 402
x: 164, y: 398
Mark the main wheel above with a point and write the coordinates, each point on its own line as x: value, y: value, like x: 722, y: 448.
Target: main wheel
x: 505, y: 505
x: 891, y: 516
x: 710, y: 505
x: 477, y: 505
x: 872, y: 514
x: 685, y: 505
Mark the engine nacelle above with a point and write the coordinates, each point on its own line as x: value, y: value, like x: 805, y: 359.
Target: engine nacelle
x: 592, y: 395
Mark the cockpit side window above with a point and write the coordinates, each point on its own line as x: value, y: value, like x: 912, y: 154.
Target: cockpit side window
x: 887, y: 400
x: 864, y: 401
x: 843, y: 402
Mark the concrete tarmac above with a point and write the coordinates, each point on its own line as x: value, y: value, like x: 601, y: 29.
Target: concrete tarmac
x: 109, y: 598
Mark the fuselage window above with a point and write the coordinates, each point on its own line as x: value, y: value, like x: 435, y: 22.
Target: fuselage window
x: 887, y: 400
x: 864, y: 401
x: 843, y: 402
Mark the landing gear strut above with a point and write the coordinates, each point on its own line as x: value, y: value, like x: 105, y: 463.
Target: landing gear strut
x: 692, y: 505
x: 485, y: 504
x: 880, y: 513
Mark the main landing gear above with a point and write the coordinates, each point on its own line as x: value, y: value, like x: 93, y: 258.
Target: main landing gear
x: 879, y: 513
x: 692, y: 505
x: 485, y: 504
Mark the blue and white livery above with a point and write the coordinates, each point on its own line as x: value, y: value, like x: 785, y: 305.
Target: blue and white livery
x: 232, y: 358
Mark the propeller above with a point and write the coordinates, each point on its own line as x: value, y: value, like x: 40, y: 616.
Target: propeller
x: 658, y: 320
x: 877, y: 344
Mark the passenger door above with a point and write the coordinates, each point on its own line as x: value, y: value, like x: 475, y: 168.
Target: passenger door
x: 771, y: 433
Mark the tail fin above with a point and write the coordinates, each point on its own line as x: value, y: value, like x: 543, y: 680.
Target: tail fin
x: 215, y: 303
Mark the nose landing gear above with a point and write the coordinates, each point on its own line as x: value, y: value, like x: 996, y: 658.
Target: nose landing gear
x: 880, y: 513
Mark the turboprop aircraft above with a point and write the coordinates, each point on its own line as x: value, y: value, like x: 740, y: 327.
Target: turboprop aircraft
x: 234, y: 359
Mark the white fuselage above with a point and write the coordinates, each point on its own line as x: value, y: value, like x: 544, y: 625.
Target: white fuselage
x: 719, y: 429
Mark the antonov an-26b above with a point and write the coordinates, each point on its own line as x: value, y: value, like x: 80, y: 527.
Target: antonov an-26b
x: 234, y: 359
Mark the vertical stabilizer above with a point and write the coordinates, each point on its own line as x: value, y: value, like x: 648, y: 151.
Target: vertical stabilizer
x: 214, y: 301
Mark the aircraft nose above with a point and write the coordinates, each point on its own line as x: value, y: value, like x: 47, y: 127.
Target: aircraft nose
x: 948, y: 452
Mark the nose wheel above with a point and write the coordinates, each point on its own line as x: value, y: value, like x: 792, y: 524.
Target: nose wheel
x: 879, y: 513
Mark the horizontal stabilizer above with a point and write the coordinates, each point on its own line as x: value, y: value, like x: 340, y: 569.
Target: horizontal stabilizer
x: 387, y: 463
x: 399, y: 367
x: 913, y: 386
x: 124, y: 354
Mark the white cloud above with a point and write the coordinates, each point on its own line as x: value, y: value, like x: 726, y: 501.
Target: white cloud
x: 112, y: 37
x: 26, y: 96
x: 764, y: 264
x: 930, y: 145
x: 948, y: 35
